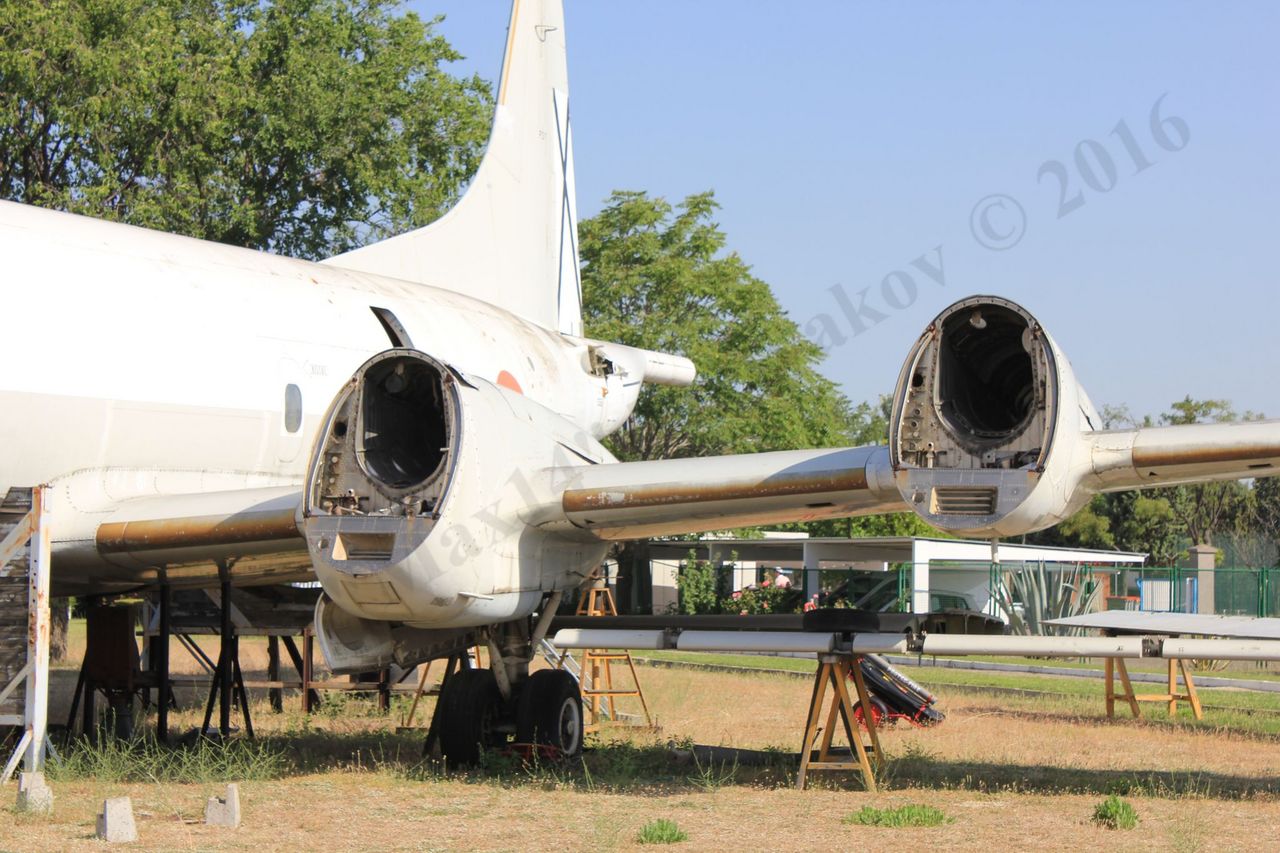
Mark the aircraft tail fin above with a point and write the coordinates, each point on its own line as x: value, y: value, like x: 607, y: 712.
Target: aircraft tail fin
x: 512, y: 238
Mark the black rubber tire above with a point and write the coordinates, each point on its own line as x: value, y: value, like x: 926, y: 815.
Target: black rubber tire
x: 550, y: 712
x: 469, y: 706
x: 841, y: 619
x: 879, y: 713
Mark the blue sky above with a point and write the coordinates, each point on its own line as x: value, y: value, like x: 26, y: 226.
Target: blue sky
x: 846, y: 141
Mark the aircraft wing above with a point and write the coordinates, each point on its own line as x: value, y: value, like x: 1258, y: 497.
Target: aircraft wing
x: 1170, y: 455
x: 632, y: 500
x: 669, y: 497
x: 187, y: 539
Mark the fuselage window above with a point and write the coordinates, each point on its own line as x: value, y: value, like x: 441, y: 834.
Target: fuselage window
x: 292, y: 407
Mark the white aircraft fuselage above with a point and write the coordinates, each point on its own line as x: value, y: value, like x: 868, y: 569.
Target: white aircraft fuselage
x: 152, y: 364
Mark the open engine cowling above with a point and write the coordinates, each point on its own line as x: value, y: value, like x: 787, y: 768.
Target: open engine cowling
x: 422, y: 502
x: 985, y: 433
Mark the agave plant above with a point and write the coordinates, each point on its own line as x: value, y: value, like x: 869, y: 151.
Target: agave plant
x: 1033, y: 594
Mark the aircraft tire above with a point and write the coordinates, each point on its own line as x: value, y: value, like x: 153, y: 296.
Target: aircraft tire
x: 469, y: 707
x: 550, y: 712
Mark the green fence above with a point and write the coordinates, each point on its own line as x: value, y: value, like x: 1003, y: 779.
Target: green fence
x: 1236, y: 591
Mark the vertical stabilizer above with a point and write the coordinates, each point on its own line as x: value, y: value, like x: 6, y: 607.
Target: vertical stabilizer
x: 512, y: 238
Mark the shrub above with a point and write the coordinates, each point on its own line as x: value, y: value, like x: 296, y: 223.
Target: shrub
x: 1115, y: 813
x: 661, y: 831
x: 765, y: 598
x: 697, y: 584
x: 911, y: 815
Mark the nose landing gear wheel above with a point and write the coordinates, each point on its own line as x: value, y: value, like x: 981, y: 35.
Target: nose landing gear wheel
x: 550, y: 712
x: 469, y: 705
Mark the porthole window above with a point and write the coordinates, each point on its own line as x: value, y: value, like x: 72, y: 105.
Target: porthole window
x: 292, y: 407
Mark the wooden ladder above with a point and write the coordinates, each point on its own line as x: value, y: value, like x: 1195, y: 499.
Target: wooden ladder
x: 596, y: 674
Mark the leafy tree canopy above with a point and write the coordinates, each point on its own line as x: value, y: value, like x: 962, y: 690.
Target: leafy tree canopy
x: 301, y: 126
x: 658, y: 276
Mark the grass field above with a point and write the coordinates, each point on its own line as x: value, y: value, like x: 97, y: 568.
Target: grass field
x: 1013, y: 770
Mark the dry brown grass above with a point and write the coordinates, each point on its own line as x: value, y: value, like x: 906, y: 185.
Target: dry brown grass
x: 1014, y: 773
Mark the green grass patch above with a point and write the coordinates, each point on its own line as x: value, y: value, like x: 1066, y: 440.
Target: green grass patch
x: 661, y: 831
x: 146, y: 760
x: 902, y: 816
x: 1237, y: 710
x: 1115, y: 813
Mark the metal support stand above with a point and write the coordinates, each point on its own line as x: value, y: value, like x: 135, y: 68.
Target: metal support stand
x: 160, y: 665
x: 834, y: 672
x: 228, y: 681
x: 275, y: 695
x: 310, y: 697
x: 33, y: 530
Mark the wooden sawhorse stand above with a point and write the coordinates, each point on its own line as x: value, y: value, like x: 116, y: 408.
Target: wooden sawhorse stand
x: 1114, y: 665
x: 834, y: 671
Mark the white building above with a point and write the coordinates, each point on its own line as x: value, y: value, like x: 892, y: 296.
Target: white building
x: 943, y: 573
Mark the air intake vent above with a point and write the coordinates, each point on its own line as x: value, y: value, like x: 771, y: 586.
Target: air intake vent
x: 958, y: 500
x: 364, y: 546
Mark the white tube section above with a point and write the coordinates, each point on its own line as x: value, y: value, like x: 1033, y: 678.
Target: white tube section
x: 879, y: 644
x: 754, y: 641
x: 966, y: 644
x: 1221, y: 649
x: 600, y: 638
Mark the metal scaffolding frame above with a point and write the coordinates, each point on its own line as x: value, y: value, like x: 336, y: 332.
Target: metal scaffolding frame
x: 33, y: 531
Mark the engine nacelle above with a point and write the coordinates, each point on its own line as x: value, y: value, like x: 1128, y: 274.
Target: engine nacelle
x: 985, y: 435
x: 423, y: 497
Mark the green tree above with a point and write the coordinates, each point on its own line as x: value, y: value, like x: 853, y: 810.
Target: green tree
x: 1202, y: 508
x: 1090, y: 527
x: 1265, y: 510
x: 658, y: 276
x: 1146, y: 522
x: 301, y: 126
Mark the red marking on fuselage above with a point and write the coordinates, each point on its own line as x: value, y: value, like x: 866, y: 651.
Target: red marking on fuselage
x: 506, y: 380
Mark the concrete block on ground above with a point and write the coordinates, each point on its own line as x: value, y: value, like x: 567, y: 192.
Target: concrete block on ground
x: 224, y: 811
x: 33, y: 794
x: 115, y: 824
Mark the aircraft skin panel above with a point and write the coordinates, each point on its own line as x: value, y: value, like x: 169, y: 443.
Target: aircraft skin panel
x: 199, y: 325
